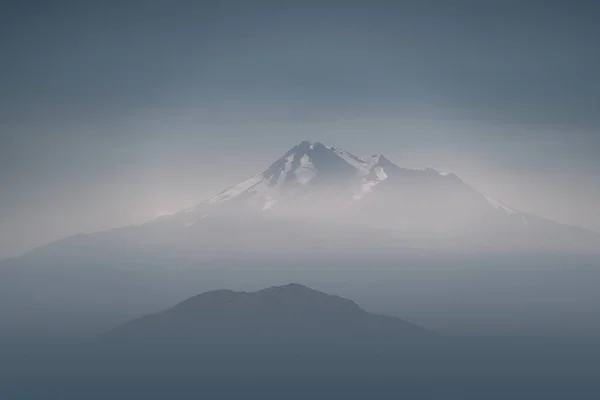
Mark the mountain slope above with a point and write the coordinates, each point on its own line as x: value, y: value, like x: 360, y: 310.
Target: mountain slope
x: 314, y: 168
x: 318, y: 214
x: 288, y: 313
x: 315, y: 183
x: 319, y: 197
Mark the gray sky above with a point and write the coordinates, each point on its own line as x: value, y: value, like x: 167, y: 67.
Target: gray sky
x: 113, y: 112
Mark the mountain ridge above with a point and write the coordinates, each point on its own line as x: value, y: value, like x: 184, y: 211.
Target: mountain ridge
x: 377, y: 197
x: 291, y: 312
x: 312, y: 181
x: 311, y: 156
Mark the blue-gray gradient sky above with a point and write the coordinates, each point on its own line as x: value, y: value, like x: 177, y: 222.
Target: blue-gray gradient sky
x: 112, y: 112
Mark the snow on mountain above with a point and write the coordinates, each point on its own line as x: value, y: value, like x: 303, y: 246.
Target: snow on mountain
x: 314, y: 181
x: 361, y: 165
x: 315, y: 164
x: 499, y: 206
x: 307, y: 164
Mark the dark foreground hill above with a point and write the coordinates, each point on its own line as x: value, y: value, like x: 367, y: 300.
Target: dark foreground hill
x: 296, y: 343
x: 290, y: 313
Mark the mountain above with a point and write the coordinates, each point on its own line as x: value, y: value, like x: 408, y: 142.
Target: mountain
x: 314, y: 180
x: 319, y: 197
x: 323, y: 216
x: 280, y: 313
x: 315, y: 183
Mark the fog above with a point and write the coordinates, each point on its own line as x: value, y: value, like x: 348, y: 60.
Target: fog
x: 112, y: 115
x: 309, y: 190
x: 321, y: 216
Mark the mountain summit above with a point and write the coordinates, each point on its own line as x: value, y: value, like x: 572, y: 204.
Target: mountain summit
x: 309, y: 166
x: 314, y: 182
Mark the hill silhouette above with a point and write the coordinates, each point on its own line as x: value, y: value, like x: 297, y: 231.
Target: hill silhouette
x: 280, y: 313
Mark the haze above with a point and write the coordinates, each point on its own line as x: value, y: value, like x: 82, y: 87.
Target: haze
x: 113, y: 114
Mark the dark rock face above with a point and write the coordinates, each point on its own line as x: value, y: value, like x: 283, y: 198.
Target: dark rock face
x: 331, y: 168
x: 290, y: 313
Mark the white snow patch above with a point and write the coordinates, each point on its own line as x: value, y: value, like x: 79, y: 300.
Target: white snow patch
x: 305, y: 161
x: 357, y: 162
x: 499, y: 206
x: 269, y: 202
x: 365, y: 189
x: 288, y: 163
x: 257, y: 182
x: 381, y: 175
x: 192, y: 223
x: 373, y: 160
x: 306, y: 171
x: 237, y: 190
x: 288, y: 167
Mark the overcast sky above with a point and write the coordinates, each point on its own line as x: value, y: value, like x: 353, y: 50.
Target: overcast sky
x: 112, y: 112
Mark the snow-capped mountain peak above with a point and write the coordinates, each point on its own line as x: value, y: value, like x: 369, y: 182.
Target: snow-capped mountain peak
x: 312, y: 180
x: 308, y: 163
x: 312, y: 165
x: 313, y: 184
